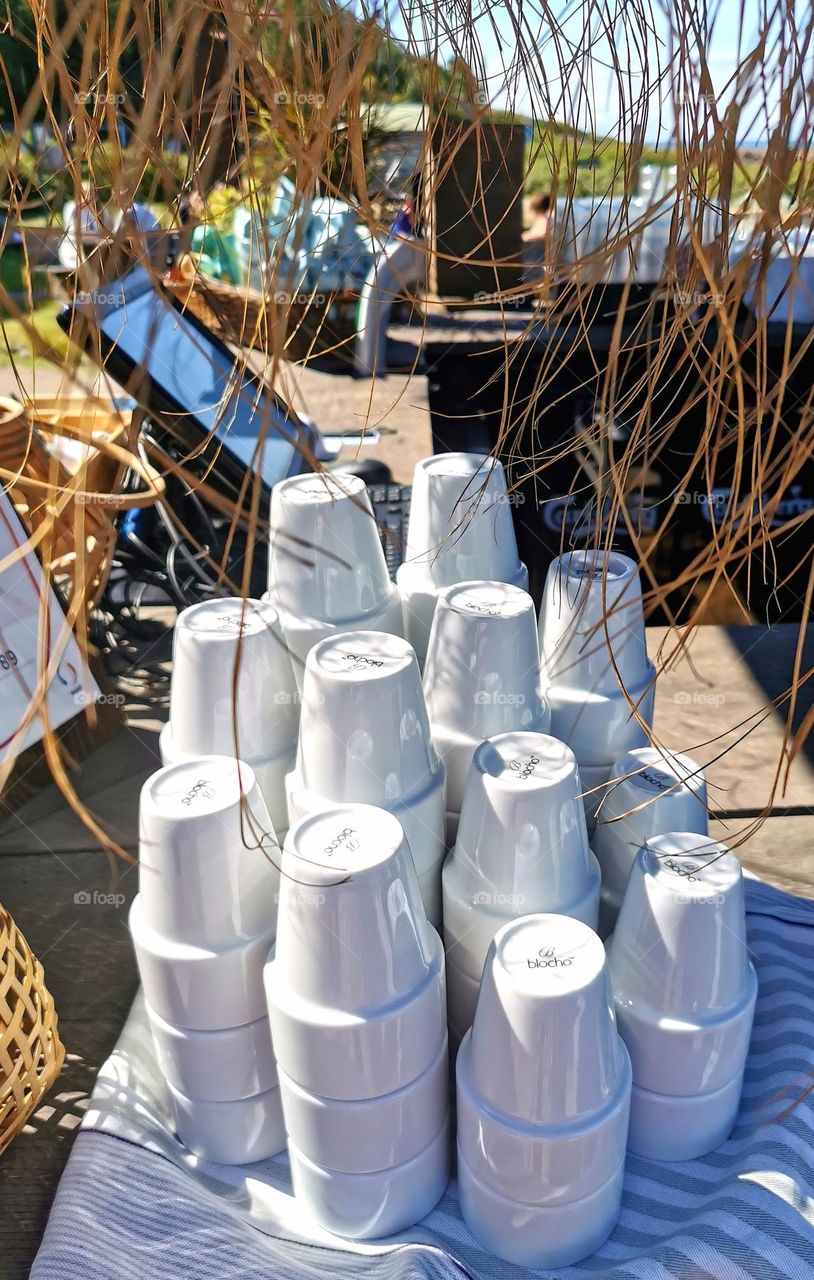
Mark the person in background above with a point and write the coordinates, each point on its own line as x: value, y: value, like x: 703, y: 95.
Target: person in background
x: 399, y: 265
x: 535, y: 237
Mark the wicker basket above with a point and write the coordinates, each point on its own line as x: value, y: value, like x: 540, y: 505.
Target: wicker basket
x: 242, y: 316
x: 37, y: 481
x: 31, y: 1052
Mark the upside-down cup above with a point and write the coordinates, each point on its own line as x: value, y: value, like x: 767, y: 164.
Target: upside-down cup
x: 522, y: 848
x: 685, y: 993
x: 365, y: 737
x: 201, y: 988
x: 543, y: 1096
x: 591, y: 628
x: 208, y: 855
x: 327, y: 570
x: 482, y: 675
x: 355, y: 983
x: 651, y: 791
x: 215, y: 1066
x: 237, y: 1131
x: 460, y: 529
x: 233, y: 693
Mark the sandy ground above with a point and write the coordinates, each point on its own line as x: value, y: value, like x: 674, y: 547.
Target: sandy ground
x: 395, y: 406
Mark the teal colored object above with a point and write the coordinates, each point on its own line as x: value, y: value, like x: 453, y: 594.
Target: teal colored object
x: 218, y: 255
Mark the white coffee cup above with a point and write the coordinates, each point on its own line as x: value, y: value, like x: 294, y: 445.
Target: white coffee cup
x: 684, y: 991
x: 544, y: 1085
x: 365, y: 737
x: 596, y: 674
x: 215, y: 1066
x: 651, y: 791
x: 208, y: 855
x: 460, y: 529
x: 482, y: 675
x: 367, y: 1135
x: 240, y: 1131
x: 522, y: 848
x: 233, y: 689
x: 327, y: 570
x: 201, y: 988
x: 355, y: 983
x: 365, y: 1206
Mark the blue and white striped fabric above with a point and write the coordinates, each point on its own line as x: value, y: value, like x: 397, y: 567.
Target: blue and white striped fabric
x: 133, y: 1205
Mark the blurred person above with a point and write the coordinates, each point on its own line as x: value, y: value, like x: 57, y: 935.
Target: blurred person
x: 398, y: 266
x: 535, y: 238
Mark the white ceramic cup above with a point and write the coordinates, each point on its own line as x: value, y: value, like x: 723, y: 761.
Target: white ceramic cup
x: 215, y: 1066
x: 684, y: 986
x: 233, y: 691
x: 365, y: 737
x: 522, y: 848
x: 240, y: 1131
x: 201, y: 988
x: 546, y: 986
x: 531, y: 1235
x: 650, y: 791
x: 370, y: 1134
x: 327, y: 570
x: 544, y: 1085
x: 208, y: 855
x: 482, y: 675
x: 365, y: 1206
x: 460, y: 529
x: 355, y: 984
x: 591, y: 628
x: 270, y: 775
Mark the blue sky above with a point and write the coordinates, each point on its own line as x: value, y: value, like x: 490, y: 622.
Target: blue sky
x: 487, y: 36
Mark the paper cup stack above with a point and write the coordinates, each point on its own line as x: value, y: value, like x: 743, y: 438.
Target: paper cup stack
x: 591, y: 618
x: 522, y: 848
x: 543, y: 1097
x: 202, y: 925
x: 327, y: 570
x: 233, y: 692
x: 652, y: 791
x: 482, y: 675
x: 685, y: 994
x: 460, y: 529
x: 365, y: 737
x: 357, y: 1005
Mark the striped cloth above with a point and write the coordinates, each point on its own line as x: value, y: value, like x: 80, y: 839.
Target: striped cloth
x: 134, y: 1205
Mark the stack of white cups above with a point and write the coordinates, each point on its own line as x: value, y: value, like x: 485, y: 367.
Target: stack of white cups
x: 327, y: 570
x: 460, y: 529
x: 685, y: 994
x: 365, y: 737
x: 522, y: 848
x: 202, y: 925
x: 482, y: 675
x: 652, y: 791
x: 233, y: 694
x: 592, y: 618
x: 356, y: 999
x: 543, y: 1097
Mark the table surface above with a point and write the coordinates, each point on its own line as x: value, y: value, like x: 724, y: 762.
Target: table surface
x: 715, y: 702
